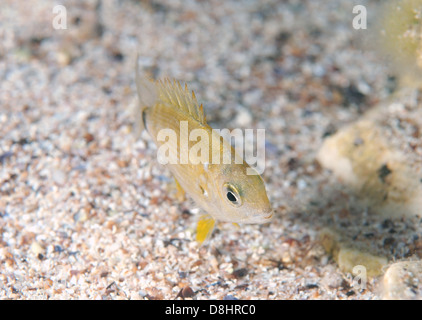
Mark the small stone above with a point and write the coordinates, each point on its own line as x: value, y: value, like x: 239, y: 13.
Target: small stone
x: 403, y: 281
x: 5, y: 156
x: 37, y: 249
x: 59, y: 177
x: 240, y: 273
x: 349, y: 258
x: 63, y: 58
x: 185, y: 292
x: 330, y: 241
x: 301, y: 184
x: 243, y: 118
x: 332, y: 279
x: 379, y: 159
x: 88, y: 137
x: 82, y: 215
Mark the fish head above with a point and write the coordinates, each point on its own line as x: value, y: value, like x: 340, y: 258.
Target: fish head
x: 243, y: 196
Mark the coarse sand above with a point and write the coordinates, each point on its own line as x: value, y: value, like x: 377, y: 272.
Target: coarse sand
x: 87, y: 212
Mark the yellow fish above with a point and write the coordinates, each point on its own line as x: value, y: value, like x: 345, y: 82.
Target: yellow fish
x: 224, y: 191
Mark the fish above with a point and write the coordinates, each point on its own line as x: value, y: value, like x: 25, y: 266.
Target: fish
x: 225, y: 191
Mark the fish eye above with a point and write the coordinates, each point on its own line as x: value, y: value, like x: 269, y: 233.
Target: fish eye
x: 232, y: 195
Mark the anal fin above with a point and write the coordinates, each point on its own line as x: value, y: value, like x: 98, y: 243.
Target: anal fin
x: 205, y: 227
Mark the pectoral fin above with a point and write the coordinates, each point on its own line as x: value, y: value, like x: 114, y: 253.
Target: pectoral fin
x: 205, y: 227
x: 180, y: 193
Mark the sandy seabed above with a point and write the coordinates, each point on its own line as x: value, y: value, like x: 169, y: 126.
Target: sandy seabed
x: 86, y: 212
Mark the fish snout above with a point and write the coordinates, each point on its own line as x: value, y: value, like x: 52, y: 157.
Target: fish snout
x: 263, y: 216
x: 269, y: 215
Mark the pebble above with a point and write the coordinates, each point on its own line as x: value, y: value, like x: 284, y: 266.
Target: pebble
x: 59, y: 177
x: 332, y: 279
x: 348, y: 259
x: 371, y: 157
x: 403, y: 281
x: 63, y: 58
x: 37, y: 248
x: 243, y: 118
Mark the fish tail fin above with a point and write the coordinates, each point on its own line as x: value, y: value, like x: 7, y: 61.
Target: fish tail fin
x: 205, y: 227
x: 147, y: 96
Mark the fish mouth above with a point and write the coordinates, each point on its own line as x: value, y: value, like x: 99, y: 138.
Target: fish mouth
x: 269, y: 216
x: 262, y: 217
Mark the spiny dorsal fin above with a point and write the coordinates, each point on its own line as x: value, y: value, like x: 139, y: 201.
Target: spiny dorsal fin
x: 173, y: 93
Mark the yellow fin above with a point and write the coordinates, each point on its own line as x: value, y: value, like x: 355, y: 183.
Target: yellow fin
x: 236, y: 225
x: 172, y: 93
x: 204, y: 229
x: 180, y: 194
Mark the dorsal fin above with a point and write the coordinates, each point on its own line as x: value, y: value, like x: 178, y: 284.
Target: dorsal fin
x: 171, y: 92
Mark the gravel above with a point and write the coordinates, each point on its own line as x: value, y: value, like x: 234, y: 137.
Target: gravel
x: 86, y: 212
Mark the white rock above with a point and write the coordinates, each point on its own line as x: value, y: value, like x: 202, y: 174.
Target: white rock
x: 403, y: 281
